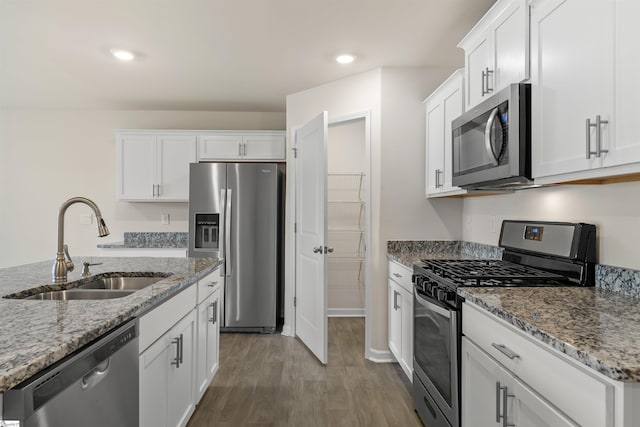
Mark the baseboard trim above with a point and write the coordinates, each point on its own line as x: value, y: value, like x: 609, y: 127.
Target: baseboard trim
x: 345, y: 312
x: 286, y: 331
x: 380, y: 356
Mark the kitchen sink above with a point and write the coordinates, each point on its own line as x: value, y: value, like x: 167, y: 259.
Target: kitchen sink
x: 75, y: 294
x: 102, y: 286
x: 121, y: 283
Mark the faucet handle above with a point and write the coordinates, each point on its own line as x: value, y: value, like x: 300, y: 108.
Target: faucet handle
x: 85, y: 268
x: 69, y: 263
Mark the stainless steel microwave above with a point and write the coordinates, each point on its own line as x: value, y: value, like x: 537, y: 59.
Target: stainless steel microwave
x: 492, y: 142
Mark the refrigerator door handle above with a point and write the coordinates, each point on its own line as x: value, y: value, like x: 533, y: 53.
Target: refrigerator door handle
x: 227, y: 232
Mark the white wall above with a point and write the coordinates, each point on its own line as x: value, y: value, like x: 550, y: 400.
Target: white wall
x: 613, y: 208
x: 398, y: 207
x: 48, y: 156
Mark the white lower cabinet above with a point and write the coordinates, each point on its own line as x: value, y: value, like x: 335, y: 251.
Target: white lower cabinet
x: 401, y: 316
x: 541, y: 387
x: 491, y: 393
x: 208, y: 342
x: 178, y: 355
x: 167, y: 375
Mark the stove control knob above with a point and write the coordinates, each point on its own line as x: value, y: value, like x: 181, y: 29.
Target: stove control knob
x: 442, y: 295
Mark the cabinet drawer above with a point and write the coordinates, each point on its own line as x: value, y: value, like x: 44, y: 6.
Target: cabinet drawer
x: 159, y: 320
x: 401, y: 275
x: 208, y: 284
x: 571, y: 388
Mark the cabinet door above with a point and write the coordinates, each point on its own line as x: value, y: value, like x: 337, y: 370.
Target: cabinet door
x: 477, y: 60
x: 406, y: 312
x: 181, y: 401
x: 136, y: 167
x: 572, y: 75
x: 625, y: 147
x: 395, y: 321
x: 154, y: 382
x: 479, y: 399
x: 510, y: 46
x: 220, y: 147
x: 435, y: 145
x: 174, y: 155
x: 207, y: 342
x: 264, y: 147
x: 530, y: 410
x: 452, y: 109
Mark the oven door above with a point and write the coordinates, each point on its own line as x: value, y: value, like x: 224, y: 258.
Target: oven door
x: 436, y: 352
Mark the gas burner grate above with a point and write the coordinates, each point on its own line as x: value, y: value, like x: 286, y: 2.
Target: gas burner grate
x: 489, y: 272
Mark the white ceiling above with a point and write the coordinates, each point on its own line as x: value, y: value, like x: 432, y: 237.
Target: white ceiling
x: 232, y: 55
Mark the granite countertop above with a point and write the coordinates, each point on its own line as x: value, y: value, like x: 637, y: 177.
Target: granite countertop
x: 35, y: 334
x: 155, y: 240
x: 598, y: 328
x: 409, y: 252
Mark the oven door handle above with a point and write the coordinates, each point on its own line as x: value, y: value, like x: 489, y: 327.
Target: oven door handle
x: 431, y: 306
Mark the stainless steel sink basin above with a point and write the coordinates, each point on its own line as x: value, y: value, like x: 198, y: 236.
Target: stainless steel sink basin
x: 76, y: 294
x: 125, y: 283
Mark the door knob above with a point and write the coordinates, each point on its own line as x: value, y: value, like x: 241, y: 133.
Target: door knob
x: 328, y: 249
x: 317, y: 250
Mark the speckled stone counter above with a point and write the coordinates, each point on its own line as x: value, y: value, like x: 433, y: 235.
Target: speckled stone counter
x: 35, y: 334
x: 409, y: 252
x: 598, y: 328
x: 134, y: 240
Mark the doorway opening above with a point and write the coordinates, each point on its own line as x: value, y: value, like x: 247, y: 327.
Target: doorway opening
x: 347, y: 213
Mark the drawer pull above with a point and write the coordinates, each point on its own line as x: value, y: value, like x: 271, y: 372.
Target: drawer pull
x: 397, y: 275
x: 506, y: 351
x: 212, y: 284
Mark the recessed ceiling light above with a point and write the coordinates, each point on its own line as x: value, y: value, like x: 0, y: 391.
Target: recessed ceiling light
x: 123, y: 55
x: 345, y: 58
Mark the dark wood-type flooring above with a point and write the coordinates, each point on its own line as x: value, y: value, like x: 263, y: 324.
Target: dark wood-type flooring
x: 272, y: 380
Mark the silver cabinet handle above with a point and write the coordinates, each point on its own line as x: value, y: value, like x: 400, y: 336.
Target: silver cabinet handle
x: 437, y: 176
x: 240, y: 149
x: 440, y: 181
x: 176, y: 360
x: 598, y: 125
x: 488, y: 72
x: 158, y: 190
x: 498, y: 388
x: 483, y: 77
x: 487, y: 137
x: 153, y: 193
x: 506, y: 351
x: 395, y: 300
x: 397, y: 275
x: 244, y: 149
x: 212, y: 284
x: 213, y: 319
x: 318, y: 250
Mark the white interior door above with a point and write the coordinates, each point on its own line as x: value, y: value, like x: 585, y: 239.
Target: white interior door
x: 311, y: 235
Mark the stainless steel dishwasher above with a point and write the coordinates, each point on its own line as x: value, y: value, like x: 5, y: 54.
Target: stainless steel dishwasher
x: 96, y: 386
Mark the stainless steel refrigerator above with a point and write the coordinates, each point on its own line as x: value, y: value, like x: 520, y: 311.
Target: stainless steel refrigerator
x: 236, y: 212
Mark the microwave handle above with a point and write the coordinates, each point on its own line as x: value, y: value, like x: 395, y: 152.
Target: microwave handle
x: 487, y: 137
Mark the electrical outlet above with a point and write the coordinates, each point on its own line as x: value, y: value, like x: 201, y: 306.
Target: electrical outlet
x: 164, y: 219
x: 86, y: 219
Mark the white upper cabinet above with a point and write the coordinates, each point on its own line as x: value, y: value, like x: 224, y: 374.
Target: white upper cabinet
x: 496, y: 51
x: 584, y: 89
x: 260, y: 146
x: 154, y: 167
x: 442, y: 107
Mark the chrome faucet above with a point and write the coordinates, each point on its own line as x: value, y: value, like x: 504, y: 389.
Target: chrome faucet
x: 61, y: 265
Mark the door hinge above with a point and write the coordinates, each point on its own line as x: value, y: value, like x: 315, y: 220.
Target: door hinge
x: 295, y: 152
x: 295, y: 300
x: 295, y: 227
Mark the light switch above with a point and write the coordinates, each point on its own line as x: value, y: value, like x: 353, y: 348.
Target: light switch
x: 86, y: 219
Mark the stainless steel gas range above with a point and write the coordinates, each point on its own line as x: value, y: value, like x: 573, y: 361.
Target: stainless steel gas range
x: 535, y: 254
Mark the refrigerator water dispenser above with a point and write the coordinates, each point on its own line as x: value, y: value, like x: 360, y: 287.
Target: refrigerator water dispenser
x: 207, y: 231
